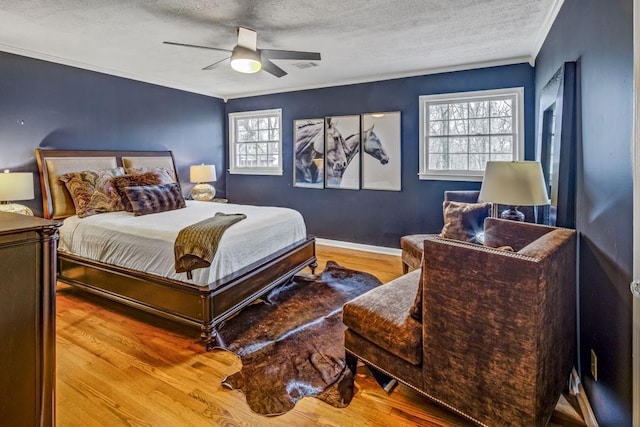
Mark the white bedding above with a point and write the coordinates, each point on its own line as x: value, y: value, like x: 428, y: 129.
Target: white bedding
x: 145, y: 243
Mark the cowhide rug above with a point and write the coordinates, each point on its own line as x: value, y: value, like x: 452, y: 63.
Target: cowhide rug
x: 292, y: 344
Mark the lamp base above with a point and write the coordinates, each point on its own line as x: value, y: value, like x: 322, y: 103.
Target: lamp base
x: 512, y: 214
x: 15, y: 208
x: 203, y: 192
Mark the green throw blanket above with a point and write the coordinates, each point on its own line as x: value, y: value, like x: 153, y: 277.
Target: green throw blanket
x: 197, y: 244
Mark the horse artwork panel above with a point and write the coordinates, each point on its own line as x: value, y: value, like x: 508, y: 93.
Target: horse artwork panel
x: 371, y: 145
x: 324, y: 158
x: 339, y: 155
x: 309, y: 153
x: 381, y: 168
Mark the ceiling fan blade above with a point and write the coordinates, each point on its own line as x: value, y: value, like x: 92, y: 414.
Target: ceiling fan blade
x: 247, y: 38
x: 215, y: 64
x: 198, y: 47
x: 272, y: 68
x: 289, y: 54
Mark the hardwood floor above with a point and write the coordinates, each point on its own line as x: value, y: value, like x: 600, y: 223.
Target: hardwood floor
x: 119, y: 367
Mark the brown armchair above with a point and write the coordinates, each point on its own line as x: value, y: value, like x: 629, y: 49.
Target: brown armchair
x: 496, y: 340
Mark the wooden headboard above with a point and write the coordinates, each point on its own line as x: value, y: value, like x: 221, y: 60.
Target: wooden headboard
x: 56, y: 201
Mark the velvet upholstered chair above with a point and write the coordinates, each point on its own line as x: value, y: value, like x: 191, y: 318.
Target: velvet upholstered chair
x: 492, y: 332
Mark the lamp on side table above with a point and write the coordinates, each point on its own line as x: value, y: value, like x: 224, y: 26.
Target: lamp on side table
x: 201, y: 175
x: 514, y: 184
x: 15, y: 186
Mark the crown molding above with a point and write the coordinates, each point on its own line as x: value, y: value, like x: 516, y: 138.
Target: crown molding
x: 186, y: 88
x: 545, y: 28
x: 392, y: 76
x: 104, y: 70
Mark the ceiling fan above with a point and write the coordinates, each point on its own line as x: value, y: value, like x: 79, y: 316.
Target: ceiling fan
x: 247, y: 58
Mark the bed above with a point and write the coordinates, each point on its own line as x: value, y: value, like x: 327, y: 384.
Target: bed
x: 236, y: 277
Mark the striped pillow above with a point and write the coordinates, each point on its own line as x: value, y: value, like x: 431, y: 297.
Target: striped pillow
x: 124, y: 181
x: 150, y: 199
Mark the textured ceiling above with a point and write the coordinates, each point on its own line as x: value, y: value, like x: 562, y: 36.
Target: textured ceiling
x: 360, y: 40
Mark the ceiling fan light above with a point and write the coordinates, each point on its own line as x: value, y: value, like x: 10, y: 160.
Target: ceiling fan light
x: 245, y: 60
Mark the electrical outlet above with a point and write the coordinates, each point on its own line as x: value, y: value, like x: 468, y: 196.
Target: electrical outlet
x: 594, y: 365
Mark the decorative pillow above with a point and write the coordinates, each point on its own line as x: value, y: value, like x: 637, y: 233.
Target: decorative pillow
x: 93, y: 192
x: 166, y: 177
x: 463, y: 221
x: 416, y: 309
x: 121, y: 182
x: 155, y: 198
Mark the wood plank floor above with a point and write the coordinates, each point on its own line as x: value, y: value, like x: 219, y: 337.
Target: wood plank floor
x: 119, y: 367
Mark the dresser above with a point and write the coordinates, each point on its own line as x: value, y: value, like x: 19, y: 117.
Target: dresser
x: 27, y: 320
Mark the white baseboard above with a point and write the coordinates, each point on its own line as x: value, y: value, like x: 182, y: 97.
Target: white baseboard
x: 583, y: 401
x: 360, y: 247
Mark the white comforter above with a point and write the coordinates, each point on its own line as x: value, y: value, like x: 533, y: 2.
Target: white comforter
x: 145, y: 243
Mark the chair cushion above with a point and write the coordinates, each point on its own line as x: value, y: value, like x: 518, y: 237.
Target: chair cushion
x: 464, y: 221
x: 412, y: 247
x: 382, y: 316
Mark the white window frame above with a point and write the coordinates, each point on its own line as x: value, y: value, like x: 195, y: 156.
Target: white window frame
x: 461, y: 175
x: 233, y: 168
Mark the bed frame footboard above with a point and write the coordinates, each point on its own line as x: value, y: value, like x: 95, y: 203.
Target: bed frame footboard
x: 205, y: 307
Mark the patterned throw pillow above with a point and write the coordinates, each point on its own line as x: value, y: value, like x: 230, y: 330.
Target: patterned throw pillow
x: 121, y: 182
x: 463, y: 221
x: 166, y: 177
x: 93, y: 191
x: 155, y: 198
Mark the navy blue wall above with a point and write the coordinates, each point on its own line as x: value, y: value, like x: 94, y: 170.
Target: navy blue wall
x: 54, y: 106
x: 599, y: 34
x: 367, y: 216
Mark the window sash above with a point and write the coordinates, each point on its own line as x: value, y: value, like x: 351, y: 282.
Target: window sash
x: 255, y: 142
x: 450, y: 149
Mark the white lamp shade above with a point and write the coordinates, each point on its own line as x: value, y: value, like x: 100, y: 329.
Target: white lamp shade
x: 202, y: 173
x: 514, y: 184
x: 16, y: 186
x: 245, y: 60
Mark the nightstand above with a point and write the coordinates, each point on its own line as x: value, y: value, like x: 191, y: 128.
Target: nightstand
x: 220, y: 200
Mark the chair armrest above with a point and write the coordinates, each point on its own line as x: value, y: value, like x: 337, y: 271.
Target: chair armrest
x: 501, y: 232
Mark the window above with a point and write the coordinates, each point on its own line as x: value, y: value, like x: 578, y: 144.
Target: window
x: 255, y: 142
x: 460, y: 132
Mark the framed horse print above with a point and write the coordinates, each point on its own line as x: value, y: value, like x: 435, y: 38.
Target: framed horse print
x: 381, y: 155
x: 308, y: 153
x: 342, y: 152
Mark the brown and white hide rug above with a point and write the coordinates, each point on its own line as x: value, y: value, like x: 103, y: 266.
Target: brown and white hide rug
x: 292, y: 343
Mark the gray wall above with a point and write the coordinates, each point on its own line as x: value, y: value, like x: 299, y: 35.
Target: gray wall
x: 54, y: 106
x: 598, y: 34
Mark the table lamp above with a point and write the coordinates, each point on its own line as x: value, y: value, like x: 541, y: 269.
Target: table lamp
x: 15, y: 186
x: 514, y: 184
x: 201, y: 175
